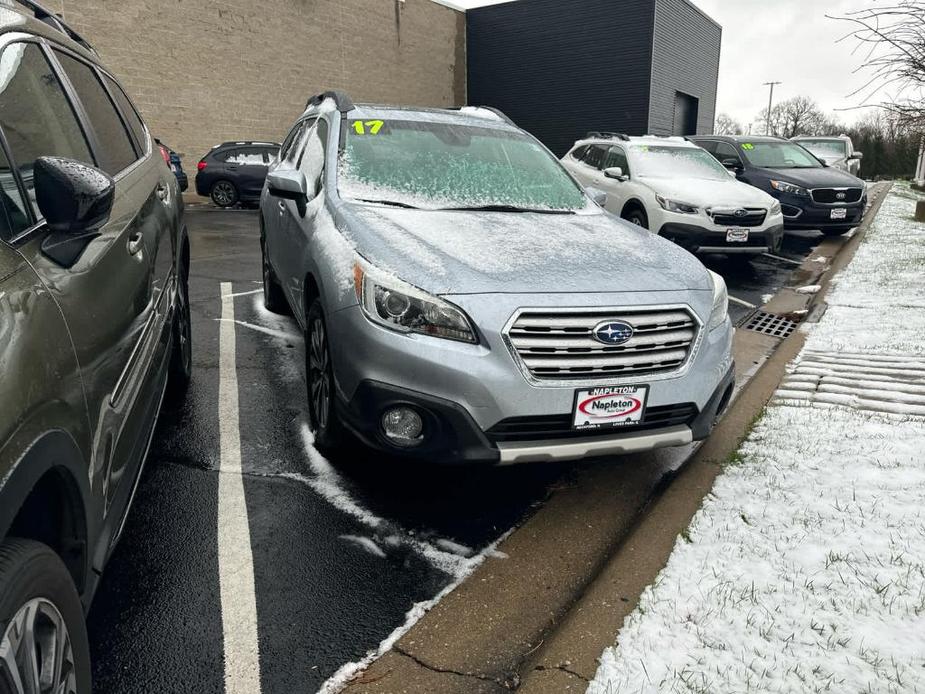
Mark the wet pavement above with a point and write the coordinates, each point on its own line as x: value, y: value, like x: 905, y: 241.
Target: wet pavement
x: 341, y: 551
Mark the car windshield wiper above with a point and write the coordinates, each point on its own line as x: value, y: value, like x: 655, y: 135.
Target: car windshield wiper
x: 390, y: 203
x: 505, y: 208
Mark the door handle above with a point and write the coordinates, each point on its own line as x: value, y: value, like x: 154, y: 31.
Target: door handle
x: 161, y: 191
x: 282, y: 206
x: 135, y: 243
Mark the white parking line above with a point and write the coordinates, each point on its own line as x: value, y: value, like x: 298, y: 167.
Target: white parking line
x: 235, y: 560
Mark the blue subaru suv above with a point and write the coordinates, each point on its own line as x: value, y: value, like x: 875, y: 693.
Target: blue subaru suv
x: 812, y: 194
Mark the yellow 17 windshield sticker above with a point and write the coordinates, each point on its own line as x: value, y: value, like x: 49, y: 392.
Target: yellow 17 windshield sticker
x: 367, y: 127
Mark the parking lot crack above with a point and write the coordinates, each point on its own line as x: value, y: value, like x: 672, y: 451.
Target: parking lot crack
x: 446, y: 671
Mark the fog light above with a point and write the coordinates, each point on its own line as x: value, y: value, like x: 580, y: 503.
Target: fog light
x: 403, y: 426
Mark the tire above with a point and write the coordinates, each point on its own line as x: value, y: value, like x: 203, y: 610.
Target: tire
x: 637, y: 216
x: 40, y: 609
x: 224, y: 193
x: 834, y: 232
x: 273, y: 298
x: 181, y: 356
x: 319, y: 382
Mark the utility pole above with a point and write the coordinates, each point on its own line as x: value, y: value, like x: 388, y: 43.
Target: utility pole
x: 767, y: 129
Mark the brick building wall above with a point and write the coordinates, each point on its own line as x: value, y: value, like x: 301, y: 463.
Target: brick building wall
x: 205, y: 71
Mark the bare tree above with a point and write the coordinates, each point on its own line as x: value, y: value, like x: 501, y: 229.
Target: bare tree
x: 799, y: 115
x: 727, y: 125
x: 892, y: 38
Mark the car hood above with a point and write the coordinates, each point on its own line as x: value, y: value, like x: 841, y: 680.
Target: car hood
x: 828, y: 177
x: 706, y: 193
x: 447, y: 252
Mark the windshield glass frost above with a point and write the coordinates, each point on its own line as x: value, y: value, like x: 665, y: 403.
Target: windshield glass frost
x: 825, y: 148
x: 677, y: 162
x: 435, y: 165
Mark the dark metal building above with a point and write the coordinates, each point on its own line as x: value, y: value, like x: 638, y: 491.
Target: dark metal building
x: 561, y: 68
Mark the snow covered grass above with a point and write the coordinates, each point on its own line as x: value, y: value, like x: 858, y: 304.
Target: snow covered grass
x: 804, y: 571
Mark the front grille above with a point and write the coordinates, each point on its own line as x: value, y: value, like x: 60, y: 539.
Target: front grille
x: 559, y: 344
x: 559, y: 426
x: 753, y: 217
x: 829, y: 196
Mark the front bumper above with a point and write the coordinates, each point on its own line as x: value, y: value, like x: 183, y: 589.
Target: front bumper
x: 802, y: 213
x: 478, y: 406
x: 698, y: 239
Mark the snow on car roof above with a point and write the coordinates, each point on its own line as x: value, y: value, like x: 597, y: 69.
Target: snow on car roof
x: 640, y: 141
x: 467, y: 115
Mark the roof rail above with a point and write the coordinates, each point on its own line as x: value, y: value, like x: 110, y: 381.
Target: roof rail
x: 54, y: 21
x: 607, y: 135
x: 501, y: 114
x: 341, y: 99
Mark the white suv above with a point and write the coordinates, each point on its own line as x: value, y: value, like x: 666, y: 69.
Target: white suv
x: 679, y: 191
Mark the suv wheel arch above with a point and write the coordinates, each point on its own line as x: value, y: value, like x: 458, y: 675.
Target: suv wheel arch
x: 633, y: 205
x: 51, y: 475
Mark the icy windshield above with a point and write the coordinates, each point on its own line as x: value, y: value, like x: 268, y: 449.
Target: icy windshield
x: 826, y: 148
x: 439, y: 165
x: 778, y: 155
x: 677, y: 162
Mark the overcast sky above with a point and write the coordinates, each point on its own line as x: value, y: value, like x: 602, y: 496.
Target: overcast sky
x: 790, y: 41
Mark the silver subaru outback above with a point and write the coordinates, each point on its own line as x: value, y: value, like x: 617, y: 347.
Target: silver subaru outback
x: 463, y: 299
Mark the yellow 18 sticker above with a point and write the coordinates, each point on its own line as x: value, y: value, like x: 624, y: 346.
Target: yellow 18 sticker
x: 748, y: 145
x: 368, y: 127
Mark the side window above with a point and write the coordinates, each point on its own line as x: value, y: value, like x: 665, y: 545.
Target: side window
x: 579, y: 152
x: 226, y: 156
x: 248, y: 156
x: 726, y: 151
x: 709, y: 145
x: 298, y: 146
x: 594, y: 156
x: 311, y: 161
x: 116, y: 151
x: 14, y: 216
x: 129, y: 111
x: 270, y: 153
x: 35, y: 114
x: 617, y: 157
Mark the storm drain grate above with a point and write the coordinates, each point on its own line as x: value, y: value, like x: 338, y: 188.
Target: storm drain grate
x: 770, y: 324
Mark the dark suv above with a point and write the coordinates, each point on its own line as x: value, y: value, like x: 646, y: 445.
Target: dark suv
x: 234, y: 172
x: 94, y: 318
x: 812, y: 195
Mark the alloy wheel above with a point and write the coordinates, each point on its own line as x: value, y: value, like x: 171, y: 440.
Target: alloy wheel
x: 223, y: 193
x: 319, y: 377
x: 36, y: 655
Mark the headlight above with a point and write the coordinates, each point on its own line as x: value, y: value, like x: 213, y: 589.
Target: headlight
x: 720, y: 302
x: 675, y: 206
x: 785, y: 187
x: 400, y: 306
x: 775, y: 208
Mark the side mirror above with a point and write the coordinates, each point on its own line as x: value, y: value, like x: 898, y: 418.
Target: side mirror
x: 597, y: 195
x: 856, y: 155
x: 76, y: 200
x: 616, y: 173
x: 289, y: 185
x: 733, y: 165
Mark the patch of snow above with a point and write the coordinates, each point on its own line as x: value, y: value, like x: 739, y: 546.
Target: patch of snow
x: 454, y: 547
x: 342, y: 677
x: 809, y: 289
x: 260, y: 329
x: 365, y: 543
x: 804, y: 570
x: 334, y: 249
x: 765, y: 298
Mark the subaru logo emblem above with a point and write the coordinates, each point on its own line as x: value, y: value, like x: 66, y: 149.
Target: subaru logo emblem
x: 613, y: 332
x: 740, y: 212
x: 840, y: 196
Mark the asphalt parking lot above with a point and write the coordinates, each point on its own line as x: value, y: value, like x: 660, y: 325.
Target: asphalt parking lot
x: 340, y: 551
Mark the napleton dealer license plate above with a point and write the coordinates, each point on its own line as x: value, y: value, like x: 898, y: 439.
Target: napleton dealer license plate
x: 609, y: 406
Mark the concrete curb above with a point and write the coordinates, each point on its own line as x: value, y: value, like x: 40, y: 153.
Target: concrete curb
x: 538, y: 619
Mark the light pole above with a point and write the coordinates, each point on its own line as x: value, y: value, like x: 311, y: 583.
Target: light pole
x: 767, y: 129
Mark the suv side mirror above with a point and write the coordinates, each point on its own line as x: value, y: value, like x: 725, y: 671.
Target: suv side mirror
x: 290, y: 184
x: 732, y: 164
x: 597, y: 195
x: 76, y: 200
x: 856, y: 155
x: 616, y: 173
